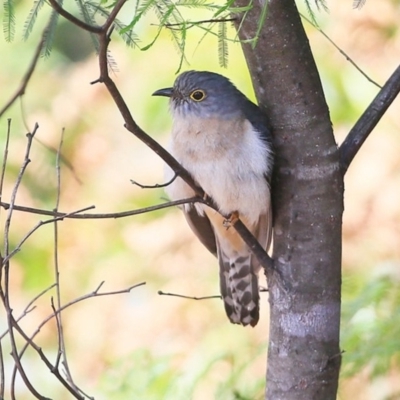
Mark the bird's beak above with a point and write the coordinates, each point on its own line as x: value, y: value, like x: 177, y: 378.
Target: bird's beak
x: 167, y: 92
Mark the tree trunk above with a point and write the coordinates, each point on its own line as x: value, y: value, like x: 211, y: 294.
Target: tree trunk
x: 307, y: 191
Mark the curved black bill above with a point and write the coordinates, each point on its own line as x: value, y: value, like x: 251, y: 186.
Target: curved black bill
x: 167, y: 92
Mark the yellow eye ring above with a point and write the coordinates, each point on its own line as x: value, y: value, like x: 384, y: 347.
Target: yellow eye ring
x: 198, y: 95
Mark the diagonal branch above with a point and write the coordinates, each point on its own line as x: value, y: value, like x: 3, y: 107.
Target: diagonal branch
x: 132, y: 127
x: 27, y: 76
x: 104, y: 33
x: 369, y: 120
x: 73, y: 19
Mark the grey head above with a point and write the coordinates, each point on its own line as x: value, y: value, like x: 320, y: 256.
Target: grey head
x: 210, y: 95
x: 204, y: 94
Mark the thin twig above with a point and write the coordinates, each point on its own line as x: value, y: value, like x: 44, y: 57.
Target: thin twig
x: 45, y: 360
x: 34, y: 229
x: 61, y: 343
x: 27, y: 76
x: 64, y: 160
x: 29, y: 340
x: 5, y: 158
x: 59, y: 351
x: 254, y: 245
x: 4, y: 294
x: 94, y: 293
x: 28, y: 308
x: 2, y: 375
x: 156, y: 186
x: 62, y: 353
x: 191, y: 24
x: 161, y: 293
x: 113, y: 14
x: 122, y: 214
x: 73, y: 19
x: 341, y: 51
x: 368, y: 120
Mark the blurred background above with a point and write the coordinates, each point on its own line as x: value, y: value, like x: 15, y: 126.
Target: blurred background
x: 141, y: 345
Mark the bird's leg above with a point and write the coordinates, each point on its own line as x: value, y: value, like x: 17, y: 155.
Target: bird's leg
x: 231, y: 220
x: 207, y: 198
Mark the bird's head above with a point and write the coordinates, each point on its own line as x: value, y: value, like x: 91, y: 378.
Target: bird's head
x: 203, y: 94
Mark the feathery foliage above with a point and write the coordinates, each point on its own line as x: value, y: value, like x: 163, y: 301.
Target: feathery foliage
x: 50, y: 32
x: 8, y: 20
x: 171, y: 15
x: 31, y: 19
x: 371, y: 325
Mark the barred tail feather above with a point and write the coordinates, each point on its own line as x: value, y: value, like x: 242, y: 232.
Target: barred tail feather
x: 239, y: 289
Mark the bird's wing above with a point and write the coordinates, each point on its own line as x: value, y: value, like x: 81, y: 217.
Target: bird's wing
x: 201, y: 226
x: 258, y: 119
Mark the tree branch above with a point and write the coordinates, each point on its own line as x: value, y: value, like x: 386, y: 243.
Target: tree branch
x: 27, y: 76
x: 104, y: 33
x: 123, y: 214
x: 73, y: 19
x: 369, y: 120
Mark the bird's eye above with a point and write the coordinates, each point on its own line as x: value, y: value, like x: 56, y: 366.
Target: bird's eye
x: 197, y: 95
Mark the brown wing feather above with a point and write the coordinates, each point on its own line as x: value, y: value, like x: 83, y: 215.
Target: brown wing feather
x: 201, y: 226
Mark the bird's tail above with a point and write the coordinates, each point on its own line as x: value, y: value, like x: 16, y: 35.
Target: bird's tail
x: 239, y: 289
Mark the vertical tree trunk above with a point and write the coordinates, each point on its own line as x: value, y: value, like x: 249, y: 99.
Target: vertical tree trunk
x: 303, y: 355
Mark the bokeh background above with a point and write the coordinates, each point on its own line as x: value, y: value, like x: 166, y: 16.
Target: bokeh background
x: 141, y: 345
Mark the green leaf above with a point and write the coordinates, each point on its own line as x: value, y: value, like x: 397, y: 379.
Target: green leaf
x: 31, y: 19
x: 89, y: 19
x: 260, y: 24
x: 127, y: 34
x: 49, y: 36
x: 9, y: 20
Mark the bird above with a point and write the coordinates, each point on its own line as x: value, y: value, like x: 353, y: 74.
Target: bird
x: 223, y: 140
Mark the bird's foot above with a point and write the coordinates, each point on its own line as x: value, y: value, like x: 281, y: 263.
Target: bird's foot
x: 231, y: 220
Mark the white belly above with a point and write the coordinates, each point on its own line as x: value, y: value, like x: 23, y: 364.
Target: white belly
x: 230, y: 165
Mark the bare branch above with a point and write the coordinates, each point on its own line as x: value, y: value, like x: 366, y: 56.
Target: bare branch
x: 27, y: 76
x: 34, y: 229
x: 191, y: 24
x: 29, y: 340
x: 94, y: 293
x: 73, y: 19
x: 5, y: 157
x: 2, y: 375
x: 156, y: 186
x: 123, y: 214
x: 161, y: 293
x: 341, y: 51
x: 29, y: 307
x: 25, y: 163
x: 369, y: 120
x: 4, y: 294
x: 44, y: 359
x: 262, y: 256
x: 113, y: 14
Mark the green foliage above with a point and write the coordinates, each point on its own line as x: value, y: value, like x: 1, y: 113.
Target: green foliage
x: 30, y: 21
x: 144, y: 375
x: 319, y: 4
x: 173, y: 15
x: 8, y: 20
x: 50, y: 32
x: 371, y: 325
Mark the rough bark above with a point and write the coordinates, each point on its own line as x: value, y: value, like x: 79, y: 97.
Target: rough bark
x: 303, y: 354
